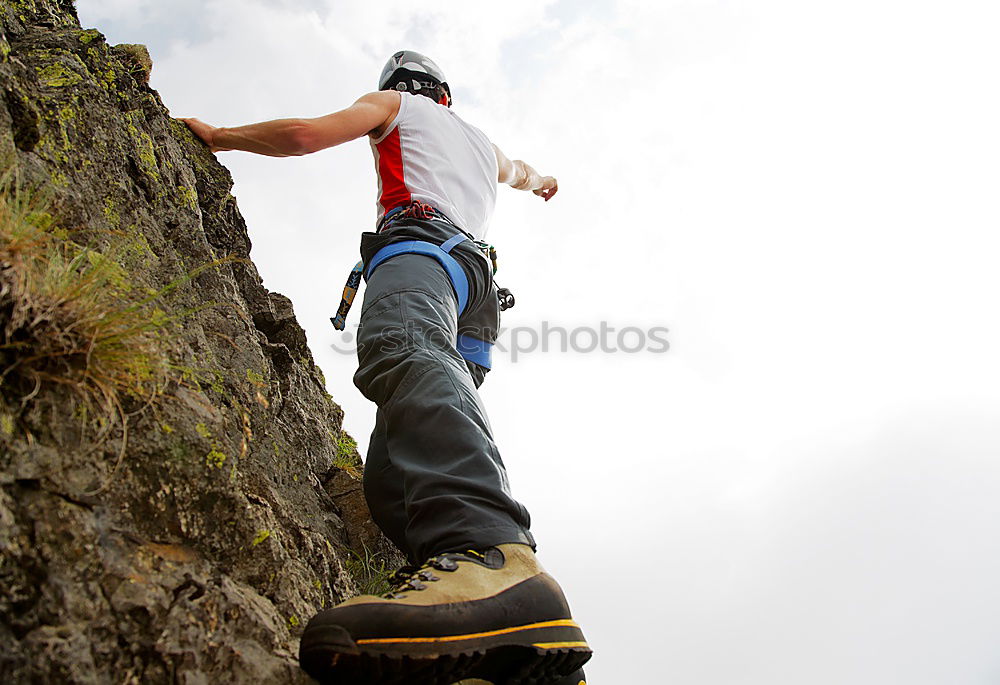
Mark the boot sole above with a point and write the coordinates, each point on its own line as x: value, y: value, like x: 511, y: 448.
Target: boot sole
x: 532, y: 654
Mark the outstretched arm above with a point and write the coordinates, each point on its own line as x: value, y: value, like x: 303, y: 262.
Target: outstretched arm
x: 293, y: 137
x: 521, y: 176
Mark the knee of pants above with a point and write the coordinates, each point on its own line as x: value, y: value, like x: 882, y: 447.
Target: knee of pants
x: 402, y: 336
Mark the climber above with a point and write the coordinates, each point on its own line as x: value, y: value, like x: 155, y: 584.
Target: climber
x: 475, y: 603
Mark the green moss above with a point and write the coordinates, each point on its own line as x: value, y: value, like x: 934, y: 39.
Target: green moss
x: 56, y: 141
x: 166, y: 428
x: 189, y: 375
x: 255, y: 378
x: 139, y: 245
x: 143, y: 145
x: 199, y: 375
x: 7, y: 425
x: 180, y: 129
x: 293, y: 620
x: 188, y: 196
x: 111, y: 212
x: 107, y: 77
x: 40, y: 220
x: 56, y: 146
x: 346, y: 447
x: 202, y: 430
x: 215, y: 458
x: 260, y: 537
x: 147, y: 156
x: 56, y: 75
x: 88, y: 36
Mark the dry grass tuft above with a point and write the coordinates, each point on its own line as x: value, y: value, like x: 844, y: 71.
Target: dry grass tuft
x: 72, y: 320
x: 69, y: 316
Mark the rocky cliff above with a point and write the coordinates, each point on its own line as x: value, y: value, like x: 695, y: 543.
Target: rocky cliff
x: 177, y: 496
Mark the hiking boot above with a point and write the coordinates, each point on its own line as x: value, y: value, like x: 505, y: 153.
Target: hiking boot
x: 575, y: 678
x: 492, y: 614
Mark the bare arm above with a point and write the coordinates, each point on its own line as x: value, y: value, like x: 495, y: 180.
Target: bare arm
x: 521, y: 176
x: 293, y: 137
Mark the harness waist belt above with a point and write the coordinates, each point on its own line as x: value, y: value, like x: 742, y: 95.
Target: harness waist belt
x: 459, y: 281
x: 472, y: 349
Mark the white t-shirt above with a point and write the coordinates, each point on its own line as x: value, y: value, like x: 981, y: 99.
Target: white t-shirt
x: 430, y: 154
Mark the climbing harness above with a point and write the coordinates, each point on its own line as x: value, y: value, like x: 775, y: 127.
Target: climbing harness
x: 470, y: 348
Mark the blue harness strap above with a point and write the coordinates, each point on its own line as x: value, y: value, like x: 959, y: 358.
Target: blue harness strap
x: 475, y: 350
x: 459, y: 281
x: 453, y: 241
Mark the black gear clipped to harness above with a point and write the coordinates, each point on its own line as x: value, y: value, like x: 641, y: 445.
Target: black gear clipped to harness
x: 506, y: 298
x: 504, y: 295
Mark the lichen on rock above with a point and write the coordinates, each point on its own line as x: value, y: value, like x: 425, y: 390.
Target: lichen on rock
x: 189, y: 533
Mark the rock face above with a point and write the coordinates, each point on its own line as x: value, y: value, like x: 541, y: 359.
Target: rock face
x: 234, y: 513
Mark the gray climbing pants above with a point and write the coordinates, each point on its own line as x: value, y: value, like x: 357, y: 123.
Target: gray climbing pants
x: 434, y: 480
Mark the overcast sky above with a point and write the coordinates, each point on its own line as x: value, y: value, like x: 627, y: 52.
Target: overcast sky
x: 804, y: 488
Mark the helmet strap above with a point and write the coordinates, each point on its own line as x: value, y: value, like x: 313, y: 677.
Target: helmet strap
x: 403, y: 86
